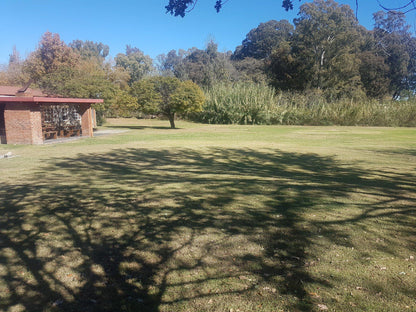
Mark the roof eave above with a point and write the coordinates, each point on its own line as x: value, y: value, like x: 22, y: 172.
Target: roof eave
x: 38, y: 99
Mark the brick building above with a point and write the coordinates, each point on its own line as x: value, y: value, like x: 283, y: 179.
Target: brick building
x: 28, y: 116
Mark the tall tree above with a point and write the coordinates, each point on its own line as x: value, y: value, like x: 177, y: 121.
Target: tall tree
x: 327, y: 41
x: 170, y: 64
x: 261, y: 41
x: 374, y: 74
x: 204, y: 67
x: 15, y: 56
x: 91, y: 50
x: 135, y: 62
x: 52, y: 63
x: 395, y: 43
x: 285, y: 69
x: 13, y: 74
x: 51, y: 55
x: 249, y: 69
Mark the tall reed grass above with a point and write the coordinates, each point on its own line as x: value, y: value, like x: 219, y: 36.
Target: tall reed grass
x: 248, y: 103
x: 239, y: 103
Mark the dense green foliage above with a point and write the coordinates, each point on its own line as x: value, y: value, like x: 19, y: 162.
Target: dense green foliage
x: 325, y: 49
x: 135, y: 62
x: 168, y: 96
x: 261, y: 41
x: 324, y: 53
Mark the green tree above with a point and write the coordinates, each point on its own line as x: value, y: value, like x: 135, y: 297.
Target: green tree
x: 91, y: 50
x: 374, y: 74
x: 168, y: 96
x: 325, y: 31
x: 123, y: 104
x: 395, y: 43
x: 261, y: 41
x: 322, y: 53
x: 205, y: 67
x: 285, y: 69
x: 135, y: 62
x: 117, y: 75
x: 249, y: 69
x: 170, y: 64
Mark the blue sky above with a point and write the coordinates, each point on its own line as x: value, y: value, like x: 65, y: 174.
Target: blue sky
x: 144, y: 24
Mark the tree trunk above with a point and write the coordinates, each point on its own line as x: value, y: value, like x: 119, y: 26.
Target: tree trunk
x: 172, y: 121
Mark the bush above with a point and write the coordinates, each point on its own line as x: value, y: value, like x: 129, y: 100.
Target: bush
x: 100, y: 118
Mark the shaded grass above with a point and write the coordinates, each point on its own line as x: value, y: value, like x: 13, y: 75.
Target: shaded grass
x: 211, y: 218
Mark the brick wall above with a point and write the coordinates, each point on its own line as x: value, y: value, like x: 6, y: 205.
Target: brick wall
x: 2, y: 128
x: 23, y: 123
x: 36, y: 124
x: 86, y: 119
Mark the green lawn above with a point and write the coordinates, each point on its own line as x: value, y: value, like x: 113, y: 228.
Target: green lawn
x: 211, y: 218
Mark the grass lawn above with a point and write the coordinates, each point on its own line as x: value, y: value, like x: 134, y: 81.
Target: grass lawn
x: 211, y: 218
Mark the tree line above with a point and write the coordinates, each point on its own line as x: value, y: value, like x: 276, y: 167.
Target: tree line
x: 324, y: 51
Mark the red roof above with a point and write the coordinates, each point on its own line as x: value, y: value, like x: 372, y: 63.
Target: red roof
x: 14, y: 91
x: 40, y: 99
x: 15, y: 94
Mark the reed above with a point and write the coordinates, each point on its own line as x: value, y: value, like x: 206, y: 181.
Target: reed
x: 239, y: 103
x: 248, y: 103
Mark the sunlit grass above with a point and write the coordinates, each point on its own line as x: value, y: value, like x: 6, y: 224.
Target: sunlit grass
x: 211, y: 218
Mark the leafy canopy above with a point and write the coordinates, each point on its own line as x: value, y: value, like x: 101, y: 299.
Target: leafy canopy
x: 135, y: 62
x: 168, y: 96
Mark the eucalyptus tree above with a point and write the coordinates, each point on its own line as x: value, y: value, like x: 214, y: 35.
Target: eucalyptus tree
x: 135, y: 62
x: 91, y: 50
x: 395, y: 43
x: 327, y: 39
x: 170, y: 64
x: 262, y: 40
x: 204, y: 67
x: 322, y: 53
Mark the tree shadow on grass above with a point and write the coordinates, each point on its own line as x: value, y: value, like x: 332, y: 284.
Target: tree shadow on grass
x: 398, y: 151
x: 149, y: 230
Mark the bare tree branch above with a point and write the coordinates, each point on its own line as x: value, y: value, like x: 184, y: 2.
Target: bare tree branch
x: 409, y: 6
